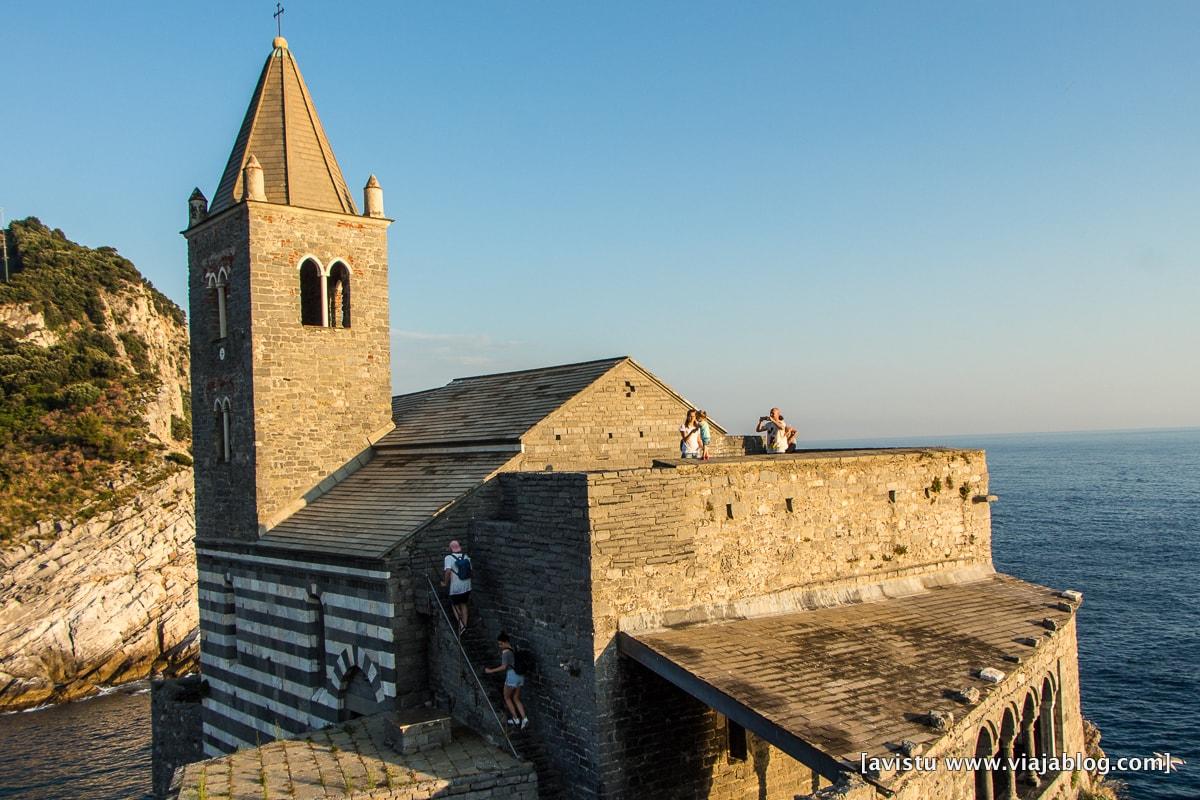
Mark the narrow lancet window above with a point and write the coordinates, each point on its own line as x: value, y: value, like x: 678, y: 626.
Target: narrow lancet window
x: 218, y: 284
x: 338, y: 294
x: 222, y: 330
x: 312, y: 296
x: 223, y: 445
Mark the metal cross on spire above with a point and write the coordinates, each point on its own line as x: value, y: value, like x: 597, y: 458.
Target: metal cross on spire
x: 279, y: 9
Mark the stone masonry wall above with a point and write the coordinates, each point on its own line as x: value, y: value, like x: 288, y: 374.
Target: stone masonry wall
x: 176, y: 737
x: 702, y: 540
x: 530, y: 558
x: 225, y: 500
x: 321, y: 394
x: 625, y: 419
x: 280, y: 641
x: 761, y: 535
x: 670, y: 745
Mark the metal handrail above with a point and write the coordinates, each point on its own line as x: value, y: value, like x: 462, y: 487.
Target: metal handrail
x: 467, y: 660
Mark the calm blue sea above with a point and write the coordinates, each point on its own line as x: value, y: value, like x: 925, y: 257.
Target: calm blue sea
x: 1114, y: 515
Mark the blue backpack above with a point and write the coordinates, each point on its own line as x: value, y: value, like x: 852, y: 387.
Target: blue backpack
x: 462, y: 567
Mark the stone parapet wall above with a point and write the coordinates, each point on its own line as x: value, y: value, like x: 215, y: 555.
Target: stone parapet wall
x: 749, y: 536
x: 176, y: 737
x: 686, y: 544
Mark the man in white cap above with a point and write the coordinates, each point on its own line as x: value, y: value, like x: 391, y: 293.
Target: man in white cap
x: 456, y: 573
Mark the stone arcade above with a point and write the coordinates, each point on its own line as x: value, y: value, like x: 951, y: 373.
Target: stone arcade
x: 750, y: 626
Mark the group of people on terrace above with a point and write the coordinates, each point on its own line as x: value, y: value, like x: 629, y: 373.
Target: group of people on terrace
x: 695, y: 436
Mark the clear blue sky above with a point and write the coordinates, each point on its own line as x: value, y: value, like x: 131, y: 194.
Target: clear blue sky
x: 889, y: 219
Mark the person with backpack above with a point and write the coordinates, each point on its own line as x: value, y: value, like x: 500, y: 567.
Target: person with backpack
x: 514, y: 665
x: 456, y: 573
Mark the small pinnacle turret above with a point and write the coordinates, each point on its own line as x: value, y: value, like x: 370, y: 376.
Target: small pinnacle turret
x: 197, y: 207
x: 252, y: 180
x: 372, y: 198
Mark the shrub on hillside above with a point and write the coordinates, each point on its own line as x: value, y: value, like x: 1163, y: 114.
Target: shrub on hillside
x: 71, y: 415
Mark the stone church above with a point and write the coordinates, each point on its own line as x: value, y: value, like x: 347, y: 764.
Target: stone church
x: 820, y: 623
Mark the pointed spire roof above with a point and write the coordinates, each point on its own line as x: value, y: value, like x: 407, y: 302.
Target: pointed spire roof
x: 283, y: 131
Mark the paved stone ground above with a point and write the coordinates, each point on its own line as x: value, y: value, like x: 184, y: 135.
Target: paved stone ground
x: 353, y: 760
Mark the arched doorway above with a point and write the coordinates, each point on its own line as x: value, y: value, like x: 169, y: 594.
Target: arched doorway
x: 357, y: 696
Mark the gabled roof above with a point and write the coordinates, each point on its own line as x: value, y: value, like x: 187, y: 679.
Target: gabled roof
x: 283, y: 131
x: 447, y: 442
x: 489, y: 408
x: 376, y: 507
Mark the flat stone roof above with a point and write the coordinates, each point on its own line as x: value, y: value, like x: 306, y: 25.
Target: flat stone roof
x: 353, y: 759
x: 830, y: 684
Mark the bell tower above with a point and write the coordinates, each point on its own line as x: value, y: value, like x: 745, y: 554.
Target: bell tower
x: 288, y: 307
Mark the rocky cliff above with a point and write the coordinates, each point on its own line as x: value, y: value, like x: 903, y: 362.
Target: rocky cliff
x: 96, y: 515
x: 105, y: 601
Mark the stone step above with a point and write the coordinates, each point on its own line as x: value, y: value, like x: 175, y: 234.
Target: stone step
x: 416, y: 730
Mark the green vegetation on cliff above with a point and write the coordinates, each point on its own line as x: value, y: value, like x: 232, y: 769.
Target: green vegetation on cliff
x: 77, y: 372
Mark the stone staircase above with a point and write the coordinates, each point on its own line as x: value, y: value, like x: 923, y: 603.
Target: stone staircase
x: 478, y: 702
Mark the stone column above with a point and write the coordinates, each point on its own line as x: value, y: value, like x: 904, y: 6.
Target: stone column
x: 1031, y: 751
x: 1007, y: 754
x: 983, y: 784
x: 1049, y: 745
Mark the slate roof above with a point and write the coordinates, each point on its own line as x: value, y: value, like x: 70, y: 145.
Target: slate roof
x: 373, y: 509
x: 829, y: 684
x: 489, y: 408
x: 283, y: 131
x: 447, y: 441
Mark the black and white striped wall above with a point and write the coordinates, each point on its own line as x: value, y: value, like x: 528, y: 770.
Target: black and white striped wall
x: 289, y: 645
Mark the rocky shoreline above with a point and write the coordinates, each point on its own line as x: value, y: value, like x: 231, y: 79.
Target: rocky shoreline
x: 103, y: 602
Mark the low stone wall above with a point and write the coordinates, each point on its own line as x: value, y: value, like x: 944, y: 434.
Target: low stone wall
x: 175, y: 707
